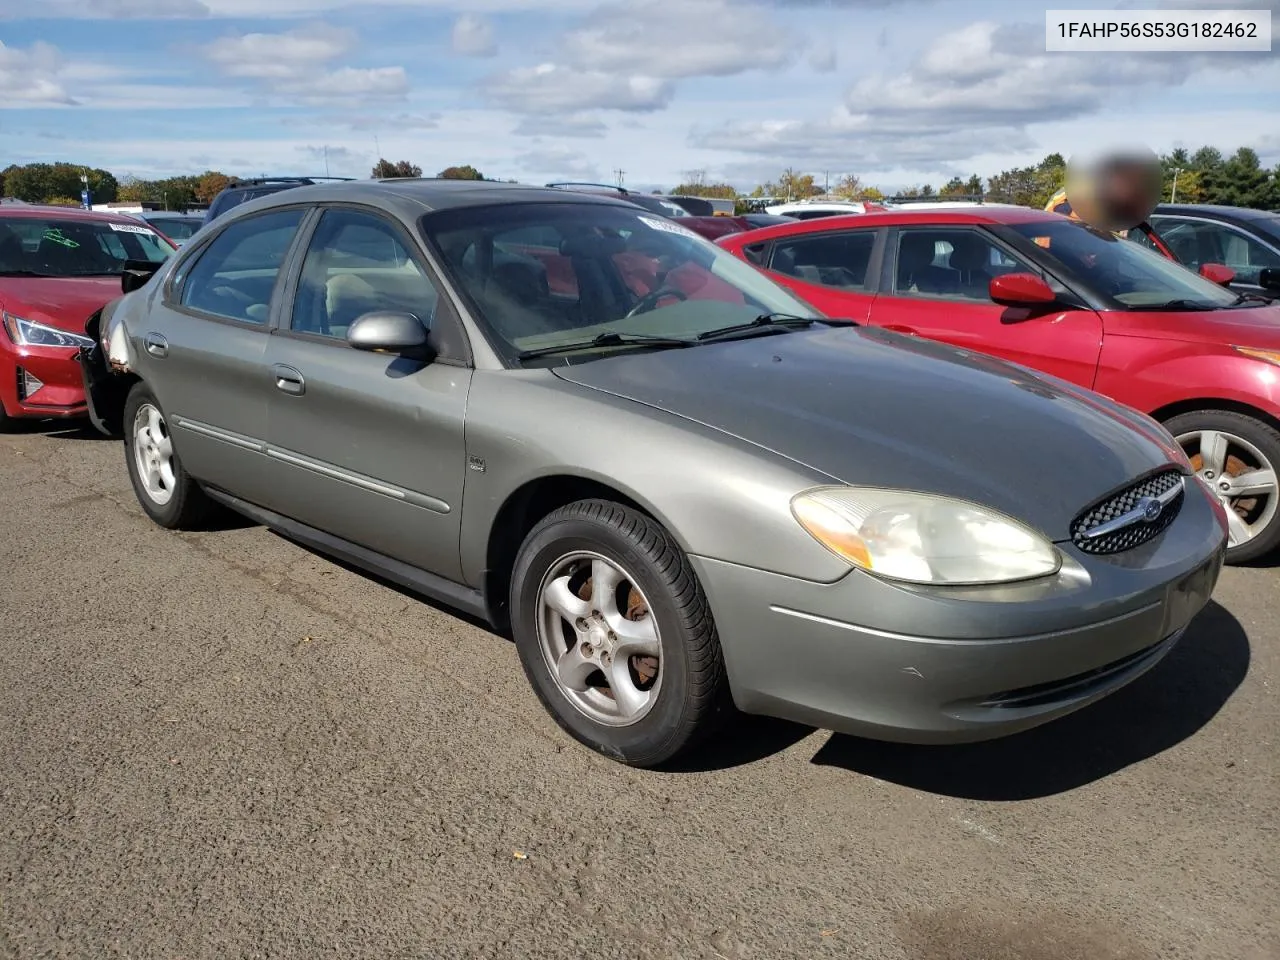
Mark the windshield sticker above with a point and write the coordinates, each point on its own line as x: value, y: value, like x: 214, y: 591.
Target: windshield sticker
x: 666, y: 226
x: 54, y: 235
x: 129, y: 228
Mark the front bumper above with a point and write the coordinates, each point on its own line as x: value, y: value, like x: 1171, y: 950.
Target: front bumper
x: 891, y: 662
x: 60, y: 393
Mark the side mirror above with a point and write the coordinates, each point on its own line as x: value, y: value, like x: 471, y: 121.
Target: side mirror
x: 1269, y: 278
x: 1020, y: 290
x: 1217, y: 273
x: 136, y: 274
x: 388, y: 331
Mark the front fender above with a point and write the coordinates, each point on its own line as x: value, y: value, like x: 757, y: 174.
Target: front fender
x: 106, y: 368
x: 1186, y: 373
x: 718, y: 496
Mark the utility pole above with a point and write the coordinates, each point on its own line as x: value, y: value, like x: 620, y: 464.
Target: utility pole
x: 618, y: 173
x: 827, y: 176
x: 326, y: 161
x: 1173, y: 198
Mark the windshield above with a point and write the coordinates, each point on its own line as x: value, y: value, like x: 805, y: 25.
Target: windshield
x: 177, y: 228
x: 1130, y: 275
x: 658, y: 205
x: 547, y: 274
x: 56, y: 247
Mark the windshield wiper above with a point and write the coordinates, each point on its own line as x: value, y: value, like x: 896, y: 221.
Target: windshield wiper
x: 1249, y: 298
x: 1175, y: 305
x: 606, y: 340
x: 773, y: 320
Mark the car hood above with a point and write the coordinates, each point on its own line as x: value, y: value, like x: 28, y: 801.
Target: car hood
x: 66, y: 303
x: 1249, y: 326
x: 866, y: 406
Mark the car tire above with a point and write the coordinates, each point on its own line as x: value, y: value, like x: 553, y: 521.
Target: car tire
x: 7, y: 423
x: 593, y: 578
x: 1250, y: 444
x: 166, y: 492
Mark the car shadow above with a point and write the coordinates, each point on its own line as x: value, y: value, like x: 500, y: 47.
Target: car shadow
x: 389, y: 584
x: 1157, y: 711
x: 63, y: 430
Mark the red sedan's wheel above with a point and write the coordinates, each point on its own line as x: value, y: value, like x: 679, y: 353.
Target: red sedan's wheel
x: 1237, y: 456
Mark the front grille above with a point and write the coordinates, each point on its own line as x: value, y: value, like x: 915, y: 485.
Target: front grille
x: 1167, y: 488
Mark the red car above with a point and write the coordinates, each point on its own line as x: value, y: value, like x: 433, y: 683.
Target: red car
x: 58, y: 266
x: 1068, y: 300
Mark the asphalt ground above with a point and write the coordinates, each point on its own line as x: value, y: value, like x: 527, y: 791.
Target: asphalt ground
x: 223, y: 745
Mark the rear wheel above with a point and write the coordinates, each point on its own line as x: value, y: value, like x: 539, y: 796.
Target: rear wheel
x: 615, y: 634
x: 1237, y: 456
x: 165, y: 490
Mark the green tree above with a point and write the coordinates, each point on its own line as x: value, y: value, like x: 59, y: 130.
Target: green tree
x: 464, y: 172
x: 973, y: 186
x: 720, y: 191
x: 135, y: 189
x: 849, y: 187
x: 40, y: 182
x: 385, y: 169
x: 1029, y: 186
x: 952, y: 188
x: 1242, y: 181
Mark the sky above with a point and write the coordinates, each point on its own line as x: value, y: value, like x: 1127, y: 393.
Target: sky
x: 899, y: 92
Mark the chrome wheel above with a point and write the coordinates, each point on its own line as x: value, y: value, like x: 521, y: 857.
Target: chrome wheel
x: 1240, y: 475
x: 153, y: 454
x: 599, y: 638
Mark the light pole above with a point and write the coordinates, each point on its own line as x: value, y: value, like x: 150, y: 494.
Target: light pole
x: 1173, y: 194
x: 86, y: 200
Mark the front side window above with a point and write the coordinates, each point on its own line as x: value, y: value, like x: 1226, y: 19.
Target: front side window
x: 235, y: 274
x: 357, y: 263
x: 1129, y: 275
x: 65, y: 247
x: 954, y: 263
x: 544, y: 274
x: 1197, y: 242
x: 839, y: 260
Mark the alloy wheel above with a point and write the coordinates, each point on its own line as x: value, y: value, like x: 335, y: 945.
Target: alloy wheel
x: 153, y: 454
x: 1240, y: 475
x: 600, y: 639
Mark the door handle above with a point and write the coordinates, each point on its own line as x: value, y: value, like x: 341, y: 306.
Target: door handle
x: 288, y: 379
x: 156, y: 345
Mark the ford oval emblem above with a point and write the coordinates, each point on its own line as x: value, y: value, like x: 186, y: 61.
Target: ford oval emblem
x: 1151, y: 509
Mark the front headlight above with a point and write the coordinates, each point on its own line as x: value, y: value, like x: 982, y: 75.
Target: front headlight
x: 31, y: 334
x: 922, y: 538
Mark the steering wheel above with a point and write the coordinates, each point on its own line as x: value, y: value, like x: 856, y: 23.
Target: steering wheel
x: 651, y: 300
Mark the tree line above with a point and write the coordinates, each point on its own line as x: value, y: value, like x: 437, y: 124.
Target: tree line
x: 60, y: 183
x: 1202, y: 176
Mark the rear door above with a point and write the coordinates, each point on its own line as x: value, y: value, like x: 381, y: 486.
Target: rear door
x: 369, y: 446
x: 835, y: 271
x: 202, y: 349
x: 935, y: 284
x: 1199, y: 241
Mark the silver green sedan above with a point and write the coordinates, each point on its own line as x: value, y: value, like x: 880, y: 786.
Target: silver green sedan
x: 680, y: 488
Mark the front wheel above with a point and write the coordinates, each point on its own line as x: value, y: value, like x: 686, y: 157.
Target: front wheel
x: 166, y: 492
x: 615, y: 634
x: 1237, y: 456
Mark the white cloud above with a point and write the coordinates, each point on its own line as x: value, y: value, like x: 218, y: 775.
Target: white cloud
x: 549, y: 164
x: 626, y: 55
x: 552, y: 89
x: 570, y: 125
x: 822, y: 56
x: 31, y: 77
x: 473, y: 36
x: 258, y: 9
x: 297, y: 65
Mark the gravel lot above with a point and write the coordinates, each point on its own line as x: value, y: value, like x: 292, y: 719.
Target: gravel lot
x: 223, y: 745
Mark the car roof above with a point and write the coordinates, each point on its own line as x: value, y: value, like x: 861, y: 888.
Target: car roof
x: 1216, y: 211
x: 981, y: 214
x: 424, y: 194
x: 37, y: 211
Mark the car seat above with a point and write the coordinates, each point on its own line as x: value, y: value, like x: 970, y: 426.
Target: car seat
x: 916, y: 270
x: 970, y: 258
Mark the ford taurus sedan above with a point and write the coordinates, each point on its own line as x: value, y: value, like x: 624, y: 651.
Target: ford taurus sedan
x: 679, y: 487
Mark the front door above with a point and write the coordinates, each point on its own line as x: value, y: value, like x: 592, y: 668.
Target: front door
x: 369, y: 446
x: 203, y: 351
x: 936, y: 285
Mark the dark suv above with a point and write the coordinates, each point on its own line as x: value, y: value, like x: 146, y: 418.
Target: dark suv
x: 239, y: 191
